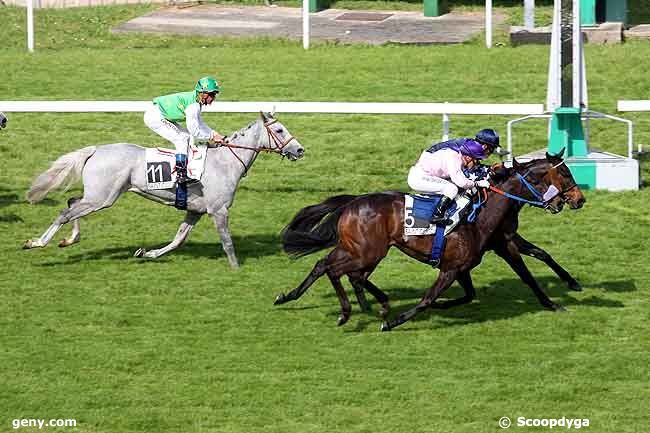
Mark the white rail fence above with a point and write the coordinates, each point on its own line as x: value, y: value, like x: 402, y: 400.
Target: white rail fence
x: 634, y: 105
x: 445, y: 109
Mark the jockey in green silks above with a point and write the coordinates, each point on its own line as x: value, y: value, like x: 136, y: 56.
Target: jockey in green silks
x: 165, y: 118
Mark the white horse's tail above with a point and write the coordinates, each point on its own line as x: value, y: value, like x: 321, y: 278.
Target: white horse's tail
x: 65, y: 170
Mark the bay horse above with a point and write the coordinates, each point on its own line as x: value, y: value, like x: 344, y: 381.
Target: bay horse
x: 110, y: 170
x: 363, y: 228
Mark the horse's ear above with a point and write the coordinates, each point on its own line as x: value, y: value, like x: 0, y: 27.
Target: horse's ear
x: 557, y: 155
x: 263, y: 116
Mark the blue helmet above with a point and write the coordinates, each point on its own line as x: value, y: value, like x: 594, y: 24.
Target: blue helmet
x: 489, y: 137
x: 473, y: 149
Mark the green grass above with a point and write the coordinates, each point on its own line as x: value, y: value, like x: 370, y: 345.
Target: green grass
x: 185, y: 344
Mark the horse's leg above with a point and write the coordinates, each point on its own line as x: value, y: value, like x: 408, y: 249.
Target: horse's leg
x: 465, y: 281
x: 510, y: 253
x: 220, y: 219
x: 445, y: 279
x: 97, y: 196
x: 359, y: 281
x: 77, y: 210
x: 529, y: 249
x: 75, y: 236
x: 356, y: 281
x: 346, y: 309
x: 318, y: 270
x: 191, y: 218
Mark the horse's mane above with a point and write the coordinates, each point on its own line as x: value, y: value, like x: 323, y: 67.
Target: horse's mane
x: 502, y: 173
x: 242, y: 131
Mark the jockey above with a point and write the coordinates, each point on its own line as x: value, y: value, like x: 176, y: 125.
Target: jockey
x: 166, y: 113
x: 440, y: 168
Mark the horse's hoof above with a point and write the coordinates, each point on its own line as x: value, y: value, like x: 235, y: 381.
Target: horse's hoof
x: 557, y: 308
x: 384, y: 327
x: 343, y: 319
x: 27, y: 244
x: 140, y: 252
x: 575, y: 286
x: 280, y: 299
x: 385, y: 309
x: 65, y: 243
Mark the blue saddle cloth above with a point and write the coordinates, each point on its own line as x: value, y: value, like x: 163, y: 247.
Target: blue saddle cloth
x: 423, y: 207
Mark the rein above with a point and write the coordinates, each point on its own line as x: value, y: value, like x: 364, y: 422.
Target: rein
x: 542, y: 199
x: 273, y: 138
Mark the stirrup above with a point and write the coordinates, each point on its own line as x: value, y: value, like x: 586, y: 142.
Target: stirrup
x: 433, y: 263
x: 444, y: 221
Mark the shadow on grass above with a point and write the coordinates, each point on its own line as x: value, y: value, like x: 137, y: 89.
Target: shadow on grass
x: 246, y: 247
x: 499, y: 300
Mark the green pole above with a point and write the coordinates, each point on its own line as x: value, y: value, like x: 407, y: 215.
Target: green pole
x: 435, y: 8
x: 318, y: 5
x: 588, y: 12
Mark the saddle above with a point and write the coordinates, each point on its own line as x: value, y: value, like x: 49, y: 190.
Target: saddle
x: 160, y: 165
x: 418, y: 209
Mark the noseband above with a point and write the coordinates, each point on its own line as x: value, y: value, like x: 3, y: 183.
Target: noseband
x: 568, y: 188
x: 276, y: 145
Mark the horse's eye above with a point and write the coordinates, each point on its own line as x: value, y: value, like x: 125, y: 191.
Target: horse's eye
x: 279, y: 130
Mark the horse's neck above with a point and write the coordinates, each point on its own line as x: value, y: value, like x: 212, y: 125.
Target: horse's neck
x: 498, y: 207
x: 242, y: 158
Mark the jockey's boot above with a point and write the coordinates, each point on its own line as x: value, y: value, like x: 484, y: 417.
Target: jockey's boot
x: 181, y: 181
x: 439, y: 213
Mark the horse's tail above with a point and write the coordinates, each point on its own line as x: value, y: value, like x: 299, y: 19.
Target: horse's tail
x: 308, y: 232
x: 65, y: 170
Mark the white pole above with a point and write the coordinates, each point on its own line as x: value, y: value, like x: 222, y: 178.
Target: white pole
x: 30, y: 26
x: 445, y: 126
x: 488, y: 23
x: 305, y: 24
x: 529, y: 14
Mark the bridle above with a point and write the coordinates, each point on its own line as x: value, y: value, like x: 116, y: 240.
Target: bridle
x: 542, y: 200
x: 568, y: 188
x: 276, y: 145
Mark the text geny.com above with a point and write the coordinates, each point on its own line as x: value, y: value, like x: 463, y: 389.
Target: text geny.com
x: 40, y: 423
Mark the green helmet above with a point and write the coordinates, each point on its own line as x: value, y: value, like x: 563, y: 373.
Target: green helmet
x: 207, y: 85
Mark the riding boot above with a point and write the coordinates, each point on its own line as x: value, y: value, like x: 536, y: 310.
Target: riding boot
x: 181, y: 181
x: 439, y: 213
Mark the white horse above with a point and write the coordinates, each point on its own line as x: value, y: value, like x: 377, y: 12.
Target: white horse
x: 110, y: 170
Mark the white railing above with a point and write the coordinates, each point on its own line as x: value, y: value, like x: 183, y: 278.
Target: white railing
x: 638, y: 105
x: 445, y: 109
x: 584, y: 116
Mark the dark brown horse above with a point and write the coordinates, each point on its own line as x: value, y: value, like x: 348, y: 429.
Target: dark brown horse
x: 363, y: 228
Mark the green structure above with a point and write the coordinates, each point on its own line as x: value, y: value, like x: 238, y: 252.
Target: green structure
x: 567, y: 104
x: 588, y: 12
x: 434, y: 8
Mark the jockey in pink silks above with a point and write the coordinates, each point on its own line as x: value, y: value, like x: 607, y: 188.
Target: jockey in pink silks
x: 440, y: 168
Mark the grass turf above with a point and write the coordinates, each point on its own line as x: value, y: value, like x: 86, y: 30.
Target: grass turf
x: 186, y: 344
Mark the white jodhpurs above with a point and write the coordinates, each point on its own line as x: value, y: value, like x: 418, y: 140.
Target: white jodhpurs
x: 176, y: 134
x: 421, y: 182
